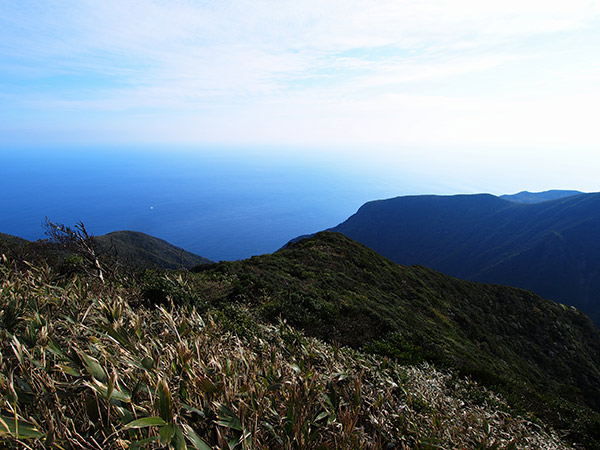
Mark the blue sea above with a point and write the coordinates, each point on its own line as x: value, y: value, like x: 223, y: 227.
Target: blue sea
x: 221, y: 205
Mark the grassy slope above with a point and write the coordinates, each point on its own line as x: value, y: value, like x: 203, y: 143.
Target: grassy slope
x: 91, y: 366
x: 543, y: 355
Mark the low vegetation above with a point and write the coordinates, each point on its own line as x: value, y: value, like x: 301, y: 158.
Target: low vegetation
x: 163, y: 360
x: 542, y: 356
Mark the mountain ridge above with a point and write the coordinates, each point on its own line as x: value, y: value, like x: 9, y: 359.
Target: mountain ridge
x: 550, y: 247
x: 133, y: 249
x: 537, y: 197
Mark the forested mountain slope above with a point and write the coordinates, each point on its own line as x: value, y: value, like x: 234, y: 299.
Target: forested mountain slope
x: 551, y: 247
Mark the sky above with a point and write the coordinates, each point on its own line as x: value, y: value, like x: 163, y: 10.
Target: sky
x: 488, y: 96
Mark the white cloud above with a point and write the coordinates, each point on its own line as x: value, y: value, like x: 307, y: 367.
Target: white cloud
x: 337, y: 72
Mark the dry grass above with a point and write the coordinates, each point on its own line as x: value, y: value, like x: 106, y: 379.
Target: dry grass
x: 84, y: 366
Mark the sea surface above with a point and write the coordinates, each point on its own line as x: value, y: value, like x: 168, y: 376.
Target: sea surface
x: 223, y: 206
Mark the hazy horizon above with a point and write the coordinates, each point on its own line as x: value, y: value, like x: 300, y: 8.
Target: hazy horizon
x: 214, y: 205
x: 219, y: 206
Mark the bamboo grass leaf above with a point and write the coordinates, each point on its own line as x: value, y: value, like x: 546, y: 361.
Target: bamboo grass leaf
x: 139, y: 444
x: 178, y: 441
x: 164, y: 401
x: 23, y: 429
x: 17, y: 349
x: 69, y: 370
x: 196, y: 441
x: 148, y: 363
x: 102, y: 389
x: 208, y: 386
x: 321, y: 416
x: 192, y: 409
x: 228, y: 418
x: 93, y: 367
x: 233, y: 443
x: 111, y: 385
x: 145, y: 422
x: 166, y: 433
x: 12, y: 396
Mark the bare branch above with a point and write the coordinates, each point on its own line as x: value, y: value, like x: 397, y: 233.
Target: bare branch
x: 78, y: 240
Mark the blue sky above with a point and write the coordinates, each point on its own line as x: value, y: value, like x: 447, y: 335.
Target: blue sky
x: 493, y: 96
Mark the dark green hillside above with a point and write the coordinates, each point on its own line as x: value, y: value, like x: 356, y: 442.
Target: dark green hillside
x: 32, y: 251
x: 8, y: 239
x: 133, y: 248
x: 551, y: 247
x: 544, y: 356
x: 130, y: 249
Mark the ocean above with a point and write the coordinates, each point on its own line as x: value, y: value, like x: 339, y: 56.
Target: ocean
x: 220, y: 205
